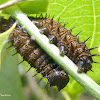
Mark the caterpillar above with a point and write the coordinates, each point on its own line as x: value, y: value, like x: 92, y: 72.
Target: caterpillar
x: 37, y: 58
x: 68, y: 44
x: 5, y: 24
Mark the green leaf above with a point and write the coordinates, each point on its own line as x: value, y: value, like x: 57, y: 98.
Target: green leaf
x: 10, y: 83
x: 3, y: 39
x: 85, y: 16
x: 30, y: 6
x: 33, y: 7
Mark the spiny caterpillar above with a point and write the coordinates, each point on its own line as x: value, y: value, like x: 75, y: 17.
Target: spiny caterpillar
x: 37, y: 58
x: 68, y: 44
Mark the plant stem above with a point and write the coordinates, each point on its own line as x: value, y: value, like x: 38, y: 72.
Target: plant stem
x: 92, y: 87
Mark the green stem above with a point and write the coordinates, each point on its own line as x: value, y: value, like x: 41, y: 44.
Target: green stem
x: 92, y: 87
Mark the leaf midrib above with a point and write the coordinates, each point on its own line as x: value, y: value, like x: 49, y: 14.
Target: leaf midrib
x: 94, y: 27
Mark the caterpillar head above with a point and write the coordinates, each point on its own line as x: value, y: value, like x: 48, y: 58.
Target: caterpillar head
x: 59, y: 79
x: 84, y: 66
